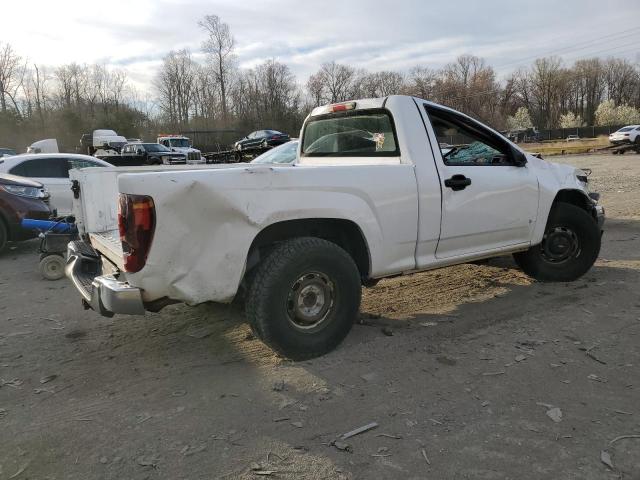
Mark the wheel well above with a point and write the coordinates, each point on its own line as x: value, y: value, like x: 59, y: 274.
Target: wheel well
x: 574, y: 197
x: 343, y: 233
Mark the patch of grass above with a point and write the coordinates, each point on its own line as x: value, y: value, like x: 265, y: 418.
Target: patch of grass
x: 562, y: 147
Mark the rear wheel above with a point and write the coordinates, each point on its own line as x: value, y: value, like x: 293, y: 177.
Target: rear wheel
x: 569, y: 248
x: 304, y: 297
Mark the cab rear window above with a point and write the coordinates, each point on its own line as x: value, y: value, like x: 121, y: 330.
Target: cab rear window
x: 360, y: 133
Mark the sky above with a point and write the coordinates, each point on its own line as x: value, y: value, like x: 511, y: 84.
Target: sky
x: 374, y: 34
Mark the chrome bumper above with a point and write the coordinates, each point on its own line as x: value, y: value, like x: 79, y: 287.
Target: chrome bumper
x: 103, y: 293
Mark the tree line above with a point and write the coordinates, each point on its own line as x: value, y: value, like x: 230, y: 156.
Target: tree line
x: 209, y: 91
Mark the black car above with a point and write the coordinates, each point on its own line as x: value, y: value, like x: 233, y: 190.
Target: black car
x: 261, y: 139
x: 147, y: 154
x: 20, y: 198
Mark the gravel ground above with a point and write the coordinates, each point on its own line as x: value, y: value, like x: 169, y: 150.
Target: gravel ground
x: 470, y: 372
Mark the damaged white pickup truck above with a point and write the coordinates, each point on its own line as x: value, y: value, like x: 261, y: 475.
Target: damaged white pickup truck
x: 375, y: 192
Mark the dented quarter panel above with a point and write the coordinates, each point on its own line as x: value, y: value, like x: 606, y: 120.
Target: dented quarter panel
x: 207, y: 220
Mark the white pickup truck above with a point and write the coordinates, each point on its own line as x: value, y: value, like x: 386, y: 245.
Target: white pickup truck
x: 371, y: 195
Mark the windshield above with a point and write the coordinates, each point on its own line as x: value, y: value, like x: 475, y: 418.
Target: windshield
x: 367, y: 133
x: 155, y: 147
x: 285, y: 153
x: 180, y: 142
x: 626, y: 129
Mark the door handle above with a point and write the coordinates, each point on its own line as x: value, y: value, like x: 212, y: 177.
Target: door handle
x: 457, y: 182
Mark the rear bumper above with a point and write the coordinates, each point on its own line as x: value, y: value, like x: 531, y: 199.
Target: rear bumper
x: 103, y: 293
x: 599, y: 209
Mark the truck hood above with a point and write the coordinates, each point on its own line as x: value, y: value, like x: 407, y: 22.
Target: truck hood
x: 185, y: 149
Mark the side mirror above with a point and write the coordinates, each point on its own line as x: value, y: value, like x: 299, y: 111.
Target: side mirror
x: 140, y: 151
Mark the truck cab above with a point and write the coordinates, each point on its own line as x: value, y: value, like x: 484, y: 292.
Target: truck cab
x: 182, y: 144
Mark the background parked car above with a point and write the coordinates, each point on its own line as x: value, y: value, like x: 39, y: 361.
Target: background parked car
x: 148, y: 154
x: 261, y: 139
x: 573, y: 138
x: 282, y: 154
x: 52, y: 170
x: 7, y: 152
x: 628, y: 134
x: 20, y: 198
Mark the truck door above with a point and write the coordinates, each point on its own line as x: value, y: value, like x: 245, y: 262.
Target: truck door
x: 488, y: 201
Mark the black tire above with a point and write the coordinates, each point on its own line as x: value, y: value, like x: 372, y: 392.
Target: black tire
x: 303, y: 325
x: 569, y: 249
x: 4, y: 236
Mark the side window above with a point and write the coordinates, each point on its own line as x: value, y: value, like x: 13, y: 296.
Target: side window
x: 42, y: 168
x: 82, y: 163
x: 463, y: 142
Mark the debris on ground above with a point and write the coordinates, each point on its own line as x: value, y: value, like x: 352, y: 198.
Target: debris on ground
x: 345, y: 447
x: 15, y: 383
x: 591, y: 355
x: 262, y: 470
x: 297, y: 424
x: 48, y: 378
x: 596, y: 378
x: 358, y: 431
x: 395, y: 437
x: 605, y: 458
x: 278, y: 386
x: 388, y: 331
x: 426, y: 459
x: 368, y: 377
x: 622, y: 437
x: 520, y: 358
x: 555, y: 414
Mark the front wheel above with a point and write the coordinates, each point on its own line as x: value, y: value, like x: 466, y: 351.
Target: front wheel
x: 569, y: 248
x: 304, y: 297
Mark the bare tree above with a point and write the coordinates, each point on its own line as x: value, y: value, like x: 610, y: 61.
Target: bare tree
x: 219, y: 45
x: 12, y: 72
x: 337, y: 81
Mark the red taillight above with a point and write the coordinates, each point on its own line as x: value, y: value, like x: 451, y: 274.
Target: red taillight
x: 342, y: 107
x: 136, y: 223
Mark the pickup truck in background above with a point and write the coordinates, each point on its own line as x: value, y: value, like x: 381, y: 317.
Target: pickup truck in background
x: 182, y: 144
x: 370, y: 195
x: 136, y: 154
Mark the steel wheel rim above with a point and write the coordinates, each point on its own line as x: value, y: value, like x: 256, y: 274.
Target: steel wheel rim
x: 560, y: 245
x: 310, y: 301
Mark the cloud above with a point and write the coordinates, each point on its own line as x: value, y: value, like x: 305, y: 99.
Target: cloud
x: 371, y: 34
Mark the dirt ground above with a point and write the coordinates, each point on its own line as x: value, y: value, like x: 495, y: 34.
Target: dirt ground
x: 487, y: 375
